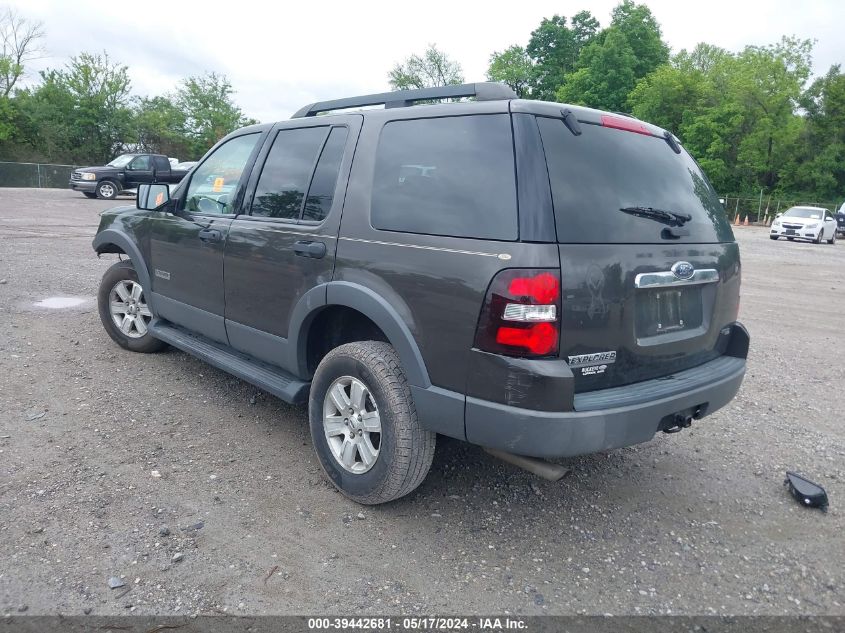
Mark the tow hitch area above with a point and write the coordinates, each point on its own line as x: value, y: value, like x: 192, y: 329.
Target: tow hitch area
x: 682, y: 419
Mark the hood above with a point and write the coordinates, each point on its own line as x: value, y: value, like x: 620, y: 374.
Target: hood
x: 799, y: 221
x: 122, y: 210
x: 101, y: 168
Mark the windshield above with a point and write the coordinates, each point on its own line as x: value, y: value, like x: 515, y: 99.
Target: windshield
x: 121, y: 160
x: 802, y: 212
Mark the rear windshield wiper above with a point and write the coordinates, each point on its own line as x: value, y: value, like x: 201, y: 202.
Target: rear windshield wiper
x: 671, y: 218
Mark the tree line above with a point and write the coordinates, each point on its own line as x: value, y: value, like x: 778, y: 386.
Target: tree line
x: 752, y: 119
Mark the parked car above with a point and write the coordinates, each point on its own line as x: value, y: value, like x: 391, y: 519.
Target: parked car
x: 805, y: 223
x: 540, y: 279
x: 840, y: 221
x: 127, y: 171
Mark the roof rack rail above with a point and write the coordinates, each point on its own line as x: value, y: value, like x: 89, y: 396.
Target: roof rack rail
x: 482, y: 91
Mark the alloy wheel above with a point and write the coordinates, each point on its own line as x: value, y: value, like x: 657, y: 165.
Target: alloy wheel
x: 129, y: 309
x: 352, y: 424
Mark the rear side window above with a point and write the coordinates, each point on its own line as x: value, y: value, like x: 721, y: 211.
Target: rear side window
x: 161, y: 163
x: 321, y: 193
x: 286, y: 173
x: 603, y: 170
x: 450, y: 176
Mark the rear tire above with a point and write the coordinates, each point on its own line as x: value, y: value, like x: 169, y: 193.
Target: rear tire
x: 121, y: 298
x: 107, y: 190
x: 357, y: 388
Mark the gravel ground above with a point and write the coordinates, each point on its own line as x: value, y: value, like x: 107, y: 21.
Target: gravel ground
x: 200, y: 494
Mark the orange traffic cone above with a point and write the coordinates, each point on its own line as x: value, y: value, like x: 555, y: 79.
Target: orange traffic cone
x: 736, y: 220
x: 746, y: 221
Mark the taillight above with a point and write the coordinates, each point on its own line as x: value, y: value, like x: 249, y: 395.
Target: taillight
x: 521, y: 314
x: 623, y: 123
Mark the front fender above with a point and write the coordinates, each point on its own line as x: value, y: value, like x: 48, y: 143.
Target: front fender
x: 112, y: 236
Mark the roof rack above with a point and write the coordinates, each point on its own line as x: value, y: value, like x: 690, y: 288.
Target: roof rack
x: 482, y: 91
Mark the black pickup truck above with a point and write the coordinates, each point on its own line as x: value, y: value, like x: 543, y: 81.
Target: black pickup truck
x: 127, y: 171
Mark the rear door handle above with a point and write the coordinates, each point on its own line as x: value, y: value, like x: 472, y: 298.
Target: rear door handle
x: 210, y: 235
x: 304, y: 248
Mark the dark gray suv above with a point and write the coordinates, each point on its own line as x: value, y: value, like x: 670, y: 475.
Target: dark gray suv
x: 540, y: 279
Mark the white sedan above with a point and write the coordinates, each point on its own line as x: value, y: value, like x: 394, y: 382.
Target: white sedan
x: 805, y: 223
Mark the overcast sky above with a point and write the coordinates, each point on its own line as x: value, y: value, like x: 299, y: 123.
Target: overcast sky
x: 280, y: 56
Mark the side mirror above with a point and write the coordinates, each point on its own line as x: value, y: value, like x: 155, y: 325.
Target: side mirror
x: 151, y: 197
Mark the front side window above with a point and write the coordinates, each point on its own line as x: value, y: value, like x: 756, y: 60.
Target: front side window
x: 284, y: 179
x: 141, y: 163
x: 451, y: 176
x: 214, y: 183
x: 121, y: 161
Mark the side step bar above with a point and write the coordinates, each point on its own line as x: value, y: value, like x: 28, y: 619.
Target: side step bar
x: 261, y: 374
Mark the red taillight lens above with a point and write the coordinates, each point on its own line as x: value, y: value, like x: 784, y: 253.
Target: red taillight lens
x: 543, y: 288
x: 621, y: 123
x: 521, y: 314
x: 539, y: 339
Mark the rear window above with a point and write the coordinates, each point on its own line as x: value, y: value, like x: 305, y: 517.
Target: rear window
x: 603, y: 170
x: 450, y: 176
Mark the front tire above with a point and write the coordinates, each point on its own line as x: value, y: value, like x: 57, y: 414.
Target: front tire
x: 89, y: 194
x: 819, y: 237
x: 124, y: 311
x: 773, y: 237
x: 832, y: 240
x: 107, y: 190
x: 364, y: 424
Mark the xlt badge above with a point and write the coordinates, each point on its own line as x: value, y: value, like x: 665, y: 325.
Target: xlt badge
x: 587, y: 360
x: 163, y: 274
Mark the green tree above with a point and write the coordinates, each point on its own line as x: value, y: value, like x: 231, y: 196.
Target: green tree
x: 609, y: 66
x: 768, y: 81
x: 738, y: 113
x: 584, y: 29
x: 818, y: 164
x: 159, y: 127
x: 79, y: 113
x: 554, y: 49
x: 642, y: 31
x: 513, y: 67
x: 209, y: 112
x: 433, y: 68
x: 607, y: 75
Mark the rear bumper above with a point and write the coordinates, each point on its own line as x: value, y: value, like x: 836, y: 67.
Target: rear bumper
x: 607, y: 419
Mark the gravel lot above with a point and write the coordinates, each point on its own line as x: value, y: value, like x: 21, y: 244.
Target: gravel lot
x: 240, y: 520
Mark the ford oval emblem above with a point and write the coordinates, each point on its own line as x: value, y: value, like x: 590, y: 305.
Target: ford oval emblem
x: 683, y: 270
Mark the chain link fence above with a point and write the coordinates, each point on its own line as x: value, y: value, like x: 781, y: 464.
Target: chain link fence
x: 35, y: 175
x: 764, y: 210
